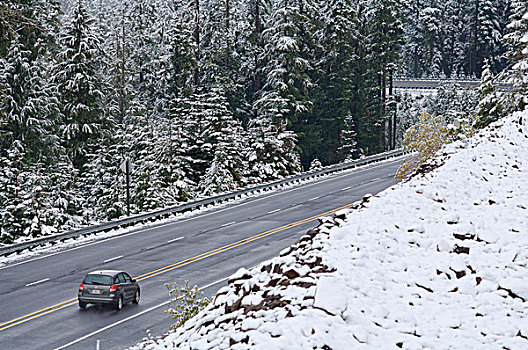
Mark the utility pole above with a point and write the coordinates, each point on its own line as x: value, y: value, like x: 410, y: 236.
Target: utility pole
x: 127, y: 168
x: 128, y: 185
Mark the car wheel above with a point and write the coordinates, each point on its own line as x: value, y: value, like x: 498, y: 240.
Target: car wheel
x: 136, y: 297
x: 119, y: 304
x: 82, y: 305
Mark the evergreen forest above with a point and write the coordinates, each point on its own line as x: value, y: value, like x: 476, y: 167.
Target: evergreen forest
x: 206, y: 96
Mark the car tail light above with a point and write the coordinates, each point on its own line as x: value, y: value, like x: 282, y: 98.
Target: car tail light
x: 113, y: 288
x: 81, y: 287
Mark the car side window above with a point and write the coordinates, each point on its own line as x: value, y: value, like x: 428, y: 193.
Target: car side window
x: 116, y: 280
x: 121, y: 278
x: 127, y: 278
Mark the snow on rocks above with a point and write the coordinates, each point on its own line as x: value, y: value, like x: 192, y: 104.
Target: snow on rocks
x: 437, y: 262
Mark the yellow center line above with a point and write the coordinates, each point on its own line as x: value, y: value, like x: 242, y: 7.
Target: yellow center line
x: 40, y: 315
x: 171, y: 267
x: 36, y: 312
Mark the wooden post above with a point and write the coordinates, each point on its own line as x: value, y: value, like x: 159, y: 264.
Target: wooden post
x: 127, y: 164
x: 391, y: 93
x: 197, y: 42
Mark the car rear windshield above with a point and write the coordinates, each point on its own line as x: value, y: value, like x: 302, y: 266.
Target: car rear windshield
x: 98, y: 279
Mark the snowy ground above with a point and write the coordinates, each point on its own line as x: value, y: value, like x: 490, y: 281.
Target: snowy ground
x: 438, y: 262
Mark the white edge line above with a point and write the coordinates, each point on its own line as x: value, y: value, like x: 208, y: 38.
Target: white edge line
x: 229, y: 223
x: 37, y: 282
x: 274, y: 211
x: 112, y: 259
x: 175, y: 239
x: 345, y: 173
x: 165, y: 303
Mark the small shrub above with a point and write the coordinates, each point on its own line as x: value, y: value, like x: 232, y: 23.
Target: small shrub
x: 430, y: 134
x: 315, y: 164
x: 185, y: 303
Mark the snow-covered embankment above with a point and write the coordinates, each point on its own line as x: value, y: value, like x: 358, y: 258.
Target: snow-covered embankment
x: 437, y: 262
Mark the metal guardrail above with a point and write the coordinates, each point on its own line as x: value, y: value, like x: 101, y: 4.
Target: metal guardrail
x: 437, y: 79
x: 195, y: 203
x: 432, y: 83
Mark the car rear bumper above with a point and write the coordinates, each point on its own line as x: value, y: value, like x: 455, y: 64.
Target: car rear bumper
x: 98, y: 300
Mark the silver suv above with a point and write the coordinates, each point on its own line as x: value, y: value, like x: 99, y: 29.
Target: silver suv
x: 108, y: 287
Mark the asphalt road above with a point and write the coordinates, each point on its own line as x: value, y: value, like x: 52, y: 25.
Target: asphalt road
x: 38, y: 305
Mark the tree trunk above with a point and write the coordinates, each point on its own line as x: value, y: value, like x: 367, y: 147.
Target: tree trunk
x: 475, y: 41
x: 391, y: 116
x: 383, y: 84
x: 256, y: 73
x: 197, y: 42
x: 395, y: 112
x: 228, y: 44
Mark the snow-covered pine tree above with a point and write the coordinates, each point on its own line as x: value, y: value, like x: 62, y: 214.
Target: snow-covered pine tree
x: 336, y: 88
x: 113, y: 28
x: 29, y: 108
x: 455, y: 42
x: 431, y: 28
x: 285, y: 94
x: 315, y: 164
x: 348, y: 147
x: 410, y: 54
x: 451, y: 102
x: 489, y: 30
x: 24, y: 202
x: 103, y: 183
x: 34, y: 23
x: 64, y: 194
x: 80, y: 86
x: 366, y: 85
x: 223, y: 137
x: 13, y: 223
x: 409, y: 109
x: 165, y: 169
x: 517, y: 99
x: 489, y: 108
x: 159, y: 146
x: 249, y: 51
x: 218, y: 41
x: 180, y: 62
x: 272, y: 151
x: 385, y: 40
x: 140, y: 139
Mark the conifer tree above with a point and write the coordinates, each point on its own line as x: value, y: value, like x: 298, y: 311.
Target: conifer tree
x: 489, y: 31
x: 431, y: 24
x: 285, y: 93
x: 348, y: 146
x: 517, y: 74
x: 223, y: 137
x: 29, y: 108
x: 384, y: 41
x: 79, y: 84
x: 489, y: 108
x: 335, y: 92
x: 272, y: 151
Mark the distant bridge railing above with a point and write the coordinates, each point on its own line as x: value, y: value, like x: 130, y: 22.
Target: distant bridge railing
x: 195, y: 204
x: 427, y: 83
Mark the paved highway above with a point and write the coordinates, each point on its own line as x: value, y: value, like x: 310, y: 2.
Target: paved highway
x: 38, y: 297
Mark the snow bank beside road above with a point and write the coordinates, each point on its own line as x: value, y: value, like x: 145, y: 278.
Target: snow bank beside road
x: 434, y: 263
